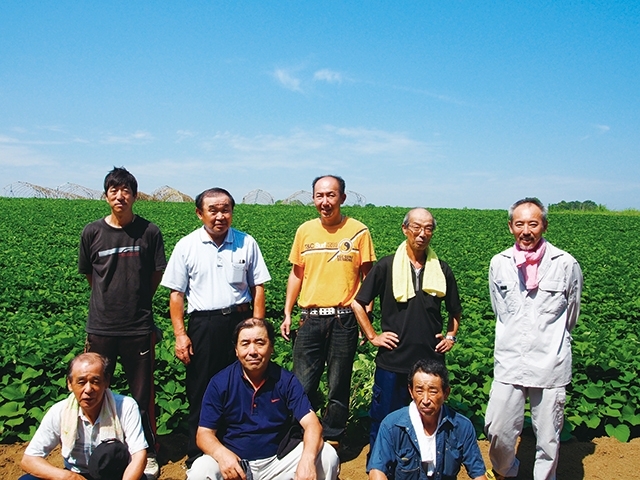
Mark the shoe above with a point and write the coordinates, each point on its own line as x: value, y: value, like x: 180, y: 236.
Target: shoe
x: 152, y: 470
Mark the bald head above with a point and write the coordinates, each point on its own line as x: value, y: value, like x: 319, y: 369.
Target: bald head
x: 418, y: 215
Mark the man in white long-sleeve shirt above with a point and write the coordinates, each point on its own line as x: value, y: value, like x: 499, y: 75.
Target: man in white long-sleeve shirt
x: 535, y: 293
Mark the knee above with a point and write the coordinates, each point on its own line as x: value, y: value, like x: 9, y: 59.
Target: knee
x: 204, y: 468
x: 329, y: 463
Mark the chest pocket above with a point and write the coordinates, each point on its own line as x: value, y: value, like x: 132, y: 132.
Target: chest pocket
x: 407, y: 465
x: 551, y: 299
x: 236, y: 273
x: 508, y: 298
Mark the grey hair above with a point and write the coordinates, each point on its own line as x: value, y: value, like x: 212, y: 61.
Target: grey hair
x: 535, y: 201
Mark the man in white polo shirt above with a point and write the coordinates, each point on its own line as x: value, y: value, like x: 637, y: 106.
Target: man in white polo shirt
x: 220, y: 271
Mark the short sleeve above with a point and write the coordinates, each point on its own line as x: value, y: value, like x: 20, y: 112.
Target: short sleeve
x: 295, y: 257
x: 176, y: 275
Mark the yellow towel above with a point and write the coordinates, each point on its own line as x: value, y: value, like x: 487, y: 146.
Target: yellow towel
x: 110, y: 426
x: 433, y: 281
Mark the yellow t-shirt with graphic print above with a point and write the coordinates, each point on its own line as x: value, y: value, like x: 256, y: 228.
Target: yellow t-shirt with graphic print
x: 331, y: 258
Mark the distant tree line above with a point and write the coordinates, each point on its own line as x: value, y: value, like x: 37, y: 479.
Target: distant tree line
x: 586, y: 206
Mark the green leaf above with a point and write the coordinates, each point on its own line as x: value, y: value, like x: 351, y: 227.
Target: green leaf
x: 15, y: 391
x: 12, y: 409
x: 593, y: 392
x: 621, y: 432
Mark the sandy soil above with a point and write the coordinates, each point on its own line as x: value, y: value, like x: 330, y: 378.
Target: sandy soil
x: 599, y: 459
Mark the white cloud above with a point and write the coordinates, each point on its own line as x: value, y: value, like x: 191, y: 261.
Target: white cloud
x: 602, y: 128
x: 328, y: 76
x: 139, y: 137
x: 184, y: 134
x: 21, y: 156
x: 287, y: 80
x: 319, y: 148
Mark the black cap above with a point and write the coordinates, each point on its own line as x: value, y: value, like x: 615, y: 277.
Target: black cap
x: 109, y: 460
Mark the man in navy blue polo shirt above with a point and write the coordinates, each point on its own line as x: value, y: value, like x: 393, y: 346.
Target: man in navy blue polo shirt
x: 246, y: 413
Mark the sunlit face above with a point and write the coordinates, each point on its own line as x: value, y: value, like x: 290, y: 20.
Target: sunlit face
x: 254, y: 349
x: 327, y: 199
x: 88, y: 385
x: 216, y: 215
x: 120, y: 199
x: 419, y: 229
x: 527, y: 226
x: 428, y: 394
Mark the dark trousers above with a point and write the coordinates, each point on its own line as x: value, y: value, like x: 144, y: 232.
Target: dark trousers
x: 390, y: 393
x: 332, y: 340
x: 137, y: 355
x: 212, y: 340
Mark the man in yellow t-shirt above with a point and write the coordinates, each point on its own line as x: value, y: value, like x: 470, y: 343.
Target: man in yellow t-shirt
x: 330, y: 257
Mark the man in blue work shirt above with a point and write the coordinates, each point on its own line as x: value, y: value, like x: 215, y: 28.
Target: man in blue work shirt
x: 426, y: 440
x: 246, y: 413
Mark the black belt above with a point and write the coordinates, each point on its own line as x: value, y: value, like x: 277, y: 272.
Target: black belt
x: 243, y: 307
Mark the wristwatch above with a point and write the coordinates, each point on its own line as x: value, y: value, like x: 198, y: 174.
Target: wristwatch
x: 453, y: 338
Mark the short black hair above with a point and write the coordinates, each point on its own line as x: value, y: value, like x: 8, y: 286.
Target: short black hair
x: 430, y: 367
x: 212, y: 192
x: 119, y: 177
x: 91, y: 357
x: 255, y: 322
x: 342, y: 186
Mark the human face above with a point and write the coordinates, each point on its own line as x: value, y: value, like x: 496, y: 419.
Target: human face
x: 428, y: 395
x: 216, y: 215
x: 527, y: 226
x: 419, y: 230
x: 88, y: 384
x: 327, y: 199
x: 120, y: 198
x: 254, y: 350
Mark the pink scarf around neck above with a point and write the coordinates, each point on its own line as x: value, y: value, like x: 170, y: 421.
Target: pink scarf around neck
x: 530, y: 259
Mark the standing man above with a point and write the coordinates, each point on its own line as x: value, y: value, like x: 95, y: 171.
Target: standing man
x: 221, y: 272
x: 411, y: 285
x: 122, y: 256
x: 99, y: 431
x: 535, y: 293
x: 330, y: 256
x: 246, y: 413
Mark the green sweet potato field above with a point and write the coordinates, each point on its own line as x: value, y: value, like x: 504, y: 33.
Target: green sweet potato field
x: 44, y: 303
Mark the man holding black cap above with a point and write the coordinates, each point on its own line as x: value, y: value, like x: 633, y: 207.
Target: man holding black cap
x: 100, y: 432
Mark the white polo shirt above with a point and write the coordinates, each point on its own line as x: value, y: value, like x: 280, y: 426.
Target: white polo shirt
x: 213, y: 277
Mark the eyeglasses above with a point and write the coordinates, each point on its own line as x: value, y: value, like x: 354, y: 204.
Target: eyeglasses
x: 416, y: 229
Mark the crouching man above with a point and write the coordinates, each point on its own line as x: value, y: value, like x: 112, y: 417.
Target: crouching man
x: 247, y: 411
x: 100, y: 432
x: 426, y: 440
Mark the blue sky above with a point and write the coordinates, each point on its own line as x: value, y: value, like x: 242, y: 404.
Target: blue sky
x: 439, y: 104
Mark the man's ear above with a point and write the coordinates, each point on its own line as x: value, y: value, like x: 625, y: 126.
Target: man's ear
x: 69, y: 386
x: 447, y: 391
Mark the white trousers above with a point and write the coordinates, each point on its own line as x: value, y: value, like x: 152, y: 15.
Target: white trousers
x: 327, y: 465
x: 503, y: 426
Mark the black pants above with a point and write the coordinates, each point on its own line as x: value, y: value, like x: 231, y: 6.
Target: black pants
x: 137, y: 355
x: 212, y: 340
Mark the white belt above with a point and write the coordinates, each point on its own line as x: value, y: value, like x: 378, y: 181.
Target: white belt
x: 326, y: 311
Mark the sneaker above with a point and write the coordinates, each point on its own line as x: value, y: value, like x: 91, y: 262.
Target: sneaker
x: 152, y: 470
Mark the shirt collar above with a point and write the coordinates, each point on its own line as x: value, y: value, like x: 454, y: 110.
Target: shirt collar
x: 205, y: 238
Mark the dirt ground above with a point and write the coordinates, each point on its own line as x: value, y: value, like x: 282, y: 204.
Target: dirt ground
x: 599, y: 459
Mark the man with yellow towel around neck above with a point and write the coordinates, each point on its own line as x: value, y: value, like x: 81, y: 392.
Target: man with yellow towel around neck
x: 411, y: 285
